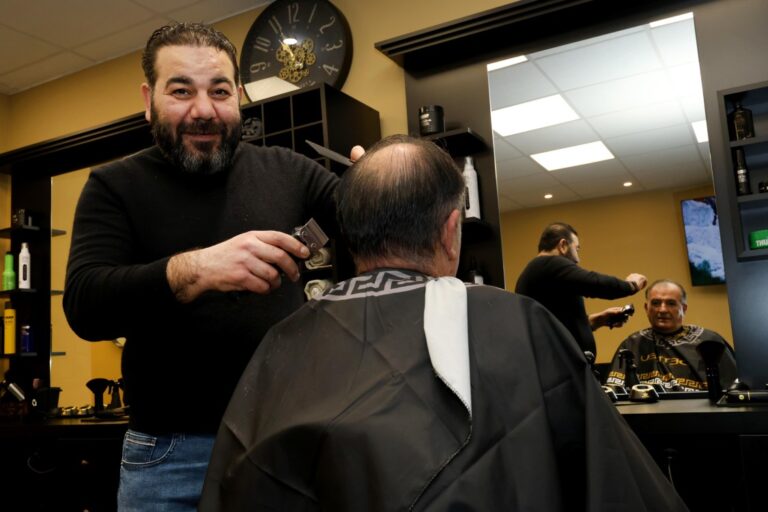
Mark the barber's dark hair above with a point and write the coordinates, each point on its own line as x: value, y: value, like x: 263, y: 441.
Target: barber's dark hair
x: 683, y: 295
x: 554, y: 233
x: 394, y: 203
x: 185, y: 34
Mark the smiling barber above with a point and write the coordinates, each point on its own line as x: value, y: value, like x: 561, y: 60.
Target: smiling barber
x: 179, y: 248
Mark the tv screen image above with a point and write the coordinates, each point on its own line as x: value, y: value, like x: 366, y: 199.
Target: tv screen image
x: 702, y: 241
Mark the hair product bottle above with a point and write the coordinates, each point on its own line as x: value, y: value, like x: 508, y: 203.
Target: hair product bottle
x: 9, y: 275
x: 9, y: 330
x: 742, y: 174
x: 24, y: 267
x: 472, y: 196
x: 741, y: 118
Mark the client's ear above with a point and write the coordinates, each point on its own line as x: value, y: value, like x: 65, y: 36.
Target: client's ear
x: 450, y: 236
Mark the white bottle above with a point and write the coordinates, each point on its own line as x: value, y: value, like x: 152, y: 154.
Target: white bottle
x: 24, y: 267
x: 472, y: 198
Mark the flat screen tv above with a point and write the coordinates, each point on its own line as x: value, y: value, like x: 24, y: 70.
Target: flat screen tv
x: 702, y: 240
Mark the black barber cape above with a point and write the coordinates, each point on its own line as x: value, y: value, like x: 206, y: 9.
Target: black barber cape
x: 340, y: 409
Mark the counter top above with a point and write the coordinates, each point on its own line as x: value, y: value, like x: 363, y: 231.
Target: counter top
x: 63, y: 426
x: 694, y: 415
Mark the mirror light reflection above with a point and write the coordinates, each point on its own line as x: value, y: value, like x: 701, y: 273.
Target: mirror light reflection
x: 609, y: 135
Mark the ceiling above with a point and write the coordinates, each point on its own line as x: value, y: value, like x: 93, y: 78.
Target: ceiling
x: 43, y: 40
x: 637, y: 90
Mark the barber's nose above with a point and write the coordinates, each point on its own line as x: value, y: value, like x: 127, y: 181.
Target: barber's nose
x: 202, y: 108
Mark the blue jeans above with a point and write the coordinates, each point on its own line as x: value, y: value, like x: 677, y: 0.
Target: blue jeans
x: 162, y: 473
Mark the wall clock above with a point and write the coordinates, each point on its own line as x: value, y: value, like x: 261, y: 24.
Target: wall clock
x: 294, y: 44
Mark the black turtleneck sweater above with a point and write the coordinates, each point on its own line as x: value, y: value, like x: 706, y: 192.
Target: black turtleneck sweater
x: 560, y: 285
x: 181, y: 362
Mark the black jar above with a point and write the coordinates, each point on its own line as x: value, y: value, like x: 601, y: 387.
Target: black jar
x: 431, y: 120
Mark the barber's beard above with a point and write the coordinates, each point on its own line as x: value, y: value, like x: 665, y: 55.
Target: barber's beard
x: 207, y: 157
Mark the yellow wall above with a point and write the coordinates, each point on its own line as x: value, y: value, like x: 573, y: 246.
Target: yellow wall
x: 640, y: 232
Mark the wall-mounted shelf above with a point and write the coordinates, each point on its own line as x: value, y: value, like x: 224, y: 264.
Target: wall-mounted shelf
x: 750, y: 210
x: 459, y: 142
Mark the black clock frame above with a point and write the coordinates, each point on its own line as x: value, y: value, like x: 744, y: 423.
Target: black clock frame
x: 319, y: 21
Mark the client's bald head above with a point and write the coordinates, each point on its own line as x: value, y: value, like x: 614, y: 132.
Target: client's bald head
x: 394, y: 202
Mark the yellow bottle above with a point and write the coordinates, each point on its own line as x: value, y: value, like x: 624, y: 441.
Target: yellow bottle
x: 9, y: 322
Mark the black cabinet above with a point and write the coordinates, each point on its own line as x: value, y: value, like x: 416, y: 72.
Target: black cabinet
x: 62, y: 464
x: 750, y: 210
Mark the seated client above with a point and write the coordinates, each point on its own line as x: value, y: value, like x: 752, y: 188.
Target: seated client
x: 405, y: 389
x: 667, y: 353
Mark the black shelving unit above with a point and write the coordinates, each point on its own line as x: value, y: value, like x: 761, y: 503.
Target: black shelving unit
x: 750, y: 210
x: 325, y: 116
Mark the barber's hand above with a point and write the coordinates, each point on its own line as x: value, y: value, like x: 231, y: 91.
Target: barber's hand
x: 638, y: 281
x: 609, y: 317
x: 251, y: 261
x: 356, y: 153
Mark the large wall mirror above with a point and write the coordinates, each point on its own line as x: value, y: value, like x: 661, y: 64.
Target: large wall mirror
x: 635, y: 96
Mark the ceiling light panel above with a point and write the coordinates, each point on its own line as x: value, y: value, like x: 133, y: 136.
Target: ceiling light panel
x: 573, y: 156
x: 532, y: 115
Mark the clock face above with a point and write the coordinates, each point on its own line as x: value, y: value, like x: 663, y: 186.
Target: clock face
x: 294, y: 44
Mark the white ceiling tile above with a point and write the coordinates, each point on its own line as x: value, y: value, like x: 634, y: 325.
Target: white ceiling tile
x: 648, y: 117
x: 61, y: 23
x: 676, y: 43
x: 673, y: 161
x: 34, y: 49
x: 650, y: 141
x: 686, y: 80
x: 517, y: 168
x: 121, y: 42
x: 597, y: 172
x: 518, y: 84
x: 609, y: 60
x: 210, y: 11
x: 553, y: 137
x: 57, y: 65
x: 621, y: 94
x: 693, y: 107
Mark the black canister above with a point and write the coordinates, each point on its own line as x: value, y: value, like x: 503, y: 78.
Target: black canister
x: 431, y: 120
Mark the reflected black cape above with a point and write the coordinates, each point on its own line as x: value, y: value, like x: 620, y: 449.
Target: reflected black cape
x: 340, y: 410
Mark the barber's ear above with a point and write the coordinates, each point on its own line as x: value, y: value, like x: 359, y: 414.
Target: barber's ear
x: 146, y: 93
x: 450, y: 236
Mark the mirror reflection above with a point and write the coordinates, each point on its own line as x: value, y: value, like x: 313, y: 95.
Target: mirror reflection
x: 74, y: 361
x: 626, y: 109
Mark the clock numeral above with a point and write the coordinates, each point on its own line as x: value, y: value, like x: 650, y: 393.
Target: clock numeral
x: 328, y: 25
x: 293, y: 12
x: 258, y: 66
x: 312, y: 14
x: 262, y: 44
x: 330, y: 69
x: 328, y: 47
x: 276, y: 27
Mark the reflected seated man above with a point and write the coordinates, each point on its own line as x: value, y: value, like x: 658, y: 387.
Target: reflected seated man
x: 667, y: 352
x: 406, y: 389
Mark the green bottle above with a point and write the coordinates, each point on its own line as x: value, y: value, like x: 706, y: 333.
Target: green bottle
x: 9, y: 274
